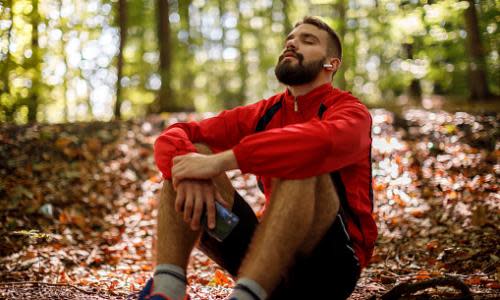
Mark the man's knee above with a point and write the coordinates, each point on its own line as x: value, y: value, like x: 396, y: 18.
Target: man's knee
x: 167, y: 194
x: 293, y: 183
x: 321, y: 185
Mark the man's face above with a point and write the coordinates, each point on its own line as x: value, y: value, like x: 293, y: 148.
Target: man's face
x: 303, y: 56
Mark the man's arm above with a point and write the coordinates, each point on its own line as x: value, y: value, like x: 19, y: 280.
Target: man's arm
x: 199, y: 166
x: 308, y: 149
x: 221, y: 132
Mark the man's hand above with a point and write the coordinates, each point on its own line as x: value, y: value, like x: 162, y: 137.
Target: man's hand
x: 200, y: 166
x: 192, y: 197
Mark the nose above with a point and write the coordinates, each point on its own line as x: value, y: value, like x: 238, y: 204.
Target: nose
x: 290, y: 44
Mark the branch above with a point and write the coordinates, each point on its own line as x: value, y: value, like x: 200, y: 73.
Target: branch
x: 408, y: 288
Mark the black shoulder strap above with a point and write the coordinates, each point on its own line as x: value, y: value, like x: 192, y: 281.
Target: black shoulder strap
x: 321, y: 110
x: 268, y: 116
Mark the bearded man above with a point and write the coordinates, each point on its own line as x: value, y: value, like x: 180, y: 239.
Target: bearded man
x: 309, y: 147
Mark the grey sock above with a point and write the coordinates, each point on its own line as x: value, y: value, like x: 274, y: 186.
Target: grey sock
x: 170, y: 280
x: 248, y: 289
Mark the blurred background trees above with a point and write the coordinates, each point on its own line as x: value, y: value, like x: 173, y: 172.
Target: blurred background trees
x: 69, y: 60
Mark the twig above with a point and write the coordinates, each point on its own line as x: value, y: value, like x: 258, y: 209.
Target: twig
x: 91, y: 256
x: 45, y: 283
x: 408, y: 288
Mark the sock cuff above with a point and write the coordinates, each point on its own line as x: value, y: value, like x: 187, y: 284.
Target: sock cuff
x: 171, y: 270
x: 251, y: 287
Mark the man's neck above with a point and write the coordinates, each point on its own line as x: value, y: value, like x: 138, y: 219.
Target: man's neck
x: 302, y: 89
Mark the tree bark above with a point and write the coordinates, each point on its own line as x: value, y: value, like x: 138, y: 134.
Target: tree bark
x: 341, y: 8
x: 6, y: 63
x: 164, y: 101
x: 32, y: 101
x: 63, y: 28
x: 414, y: 90
x: 122, y: 22
x: 7, y: 110
x: 286, y: 21
x: 187, y: 56
x: 478, y: 82
x: 243, y: 67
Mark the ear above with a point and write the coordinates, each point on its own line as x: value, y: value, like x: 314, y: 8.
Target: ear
x: 334, y: 64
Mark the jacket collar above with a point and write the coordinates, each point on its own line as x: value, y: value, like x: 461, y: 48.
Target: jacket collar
x: 311, y: 100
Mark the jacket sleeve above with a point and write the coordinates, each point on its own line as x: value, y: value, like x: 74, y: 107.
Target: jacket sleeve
x: 220, y: 133
x: 309, y: 149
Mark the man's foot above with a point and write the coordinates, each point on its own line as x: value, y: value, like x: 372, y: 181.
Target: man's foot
x: 146, y: 293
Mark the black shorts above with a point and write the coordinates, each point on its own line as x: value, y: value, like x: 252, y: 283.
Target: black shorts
x: 330, y: 272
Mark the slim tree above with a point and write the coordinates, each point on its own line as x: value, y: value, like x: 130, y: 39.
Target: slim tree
x: 164, y: 101
x: 5, y: 87
x: 243, y: 66
x: 122, y: 23
x: 33, y: 99
x: 414, y: 90
x: 477, y: 65
x: 341, y: 8
x: 186, y: 56
x: 286, y: 20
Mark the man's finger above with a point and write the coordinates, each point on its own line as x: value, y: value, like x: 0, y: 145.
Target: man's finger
x: 179, y: 200
x: 198, y: 210
x: 210, y: 204
x: 188, y: 206
x: 221, y: 200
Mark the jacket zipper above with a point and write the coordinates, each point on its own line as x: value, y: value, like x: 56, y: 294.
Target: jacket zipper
x: 295, y: 105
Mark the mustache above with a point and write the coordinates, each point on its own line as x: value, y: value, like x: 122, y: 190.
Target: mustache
x: 295, y: 54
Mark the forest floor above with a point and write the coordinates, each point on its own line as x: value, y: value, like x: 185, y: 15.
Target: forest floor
x: 78, y: 204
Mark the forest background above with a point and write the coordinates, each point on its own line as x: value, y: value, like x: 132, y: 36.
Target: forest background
x: 68, y: 60
x: 87, y: 86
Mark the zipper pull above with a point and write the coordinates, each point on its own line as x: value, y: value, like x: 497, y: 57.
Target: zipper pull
x: 295, y: 105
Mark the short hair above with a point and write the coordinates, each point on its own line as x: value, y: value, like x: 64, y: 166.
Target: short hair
x: 334, y: 46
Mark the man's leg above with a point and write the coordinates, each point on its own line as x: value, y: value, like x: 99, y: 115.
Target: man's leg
x: 175, y: 238
x: 300, y: 213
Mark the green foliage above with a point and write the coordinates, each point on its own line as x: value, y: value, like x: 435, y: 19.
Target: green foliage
x: 224, y: 52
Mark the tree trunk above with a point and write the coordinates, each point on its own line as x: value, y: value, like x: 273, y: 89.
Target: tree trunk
x: 122, y: 22
x: 6, y: 64
x: 341, y: 8
x: 243, y: 67
x: 224, y: 94
x: 187, y: 57
x: 7, y: 110
x: 164, y: 102
x: 477, y: 64
x: 65, y: 76
x: 286, y: 21
x: 33, y: 99
x: 414, y: 90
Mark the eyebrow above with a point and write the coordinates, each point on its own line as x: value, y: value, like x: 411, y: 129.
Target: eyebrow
x: 304, y: 36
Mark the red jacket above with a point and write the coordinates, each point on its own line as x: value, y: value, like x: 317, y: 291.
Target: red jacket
x: 328, y: 132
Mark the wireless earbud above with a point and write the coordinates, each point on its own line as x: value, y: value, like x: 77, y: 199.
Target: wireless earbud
x: 327, y: 66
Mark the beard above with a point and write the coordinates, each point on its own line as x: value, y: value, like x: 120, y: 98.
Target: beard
x: 288, y: 73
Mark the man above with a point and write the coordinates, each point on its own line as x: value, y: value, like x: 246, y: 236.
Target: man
x: 310, y: 148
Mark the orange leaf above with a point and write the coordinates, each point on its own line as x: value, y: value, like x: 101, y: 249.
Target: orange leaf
x: 473, y: 280
x: 493, y: 285
x: 63, y: 278
x: 62, y: 142
x: 221, y: 278
x: 113, y: 285
x: 432, y: 245
x: 422, y: 275
x: 155, y: 179
x: 146, y: 267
